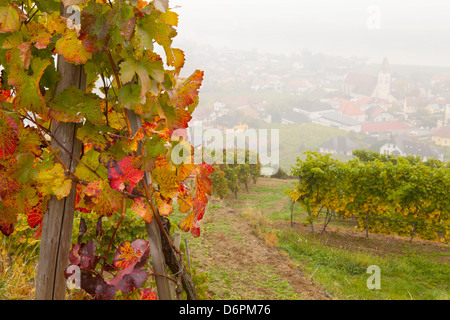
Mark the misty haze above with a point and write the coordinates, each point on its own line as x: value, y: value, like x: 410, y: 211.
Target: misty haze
x: 332, y: 76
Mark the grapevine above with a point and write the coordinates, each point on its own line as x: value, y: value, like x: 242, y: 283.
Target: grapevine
x: 124, y: 116
x: 387, y: 194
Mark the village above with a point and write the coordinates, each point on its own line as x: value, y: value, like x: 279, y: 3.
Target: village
x: 400, y: 110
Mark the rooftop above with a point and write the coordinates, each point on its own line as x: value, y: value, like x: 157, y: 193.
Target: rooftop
x: 443, y: 132
x: 384, y: 126
x: 341, y: 144
x: 312, y: 106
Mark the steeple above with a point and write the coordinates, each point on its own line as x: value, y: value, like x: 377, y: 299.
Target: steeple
x: 385, y: 67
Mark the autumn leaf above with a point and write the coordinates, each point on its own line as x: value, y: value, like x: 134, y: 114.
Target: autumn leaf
x: 125, y: 256
x: 204, y: 183
x: 179, y: 60
x: 54, y: 181
x: 165, y: 175
x: 153, y: 27
x: 8, y: 215
x: 164, y: 205
x: 124, y: 176
x: 130, y: 253
x: 187, y: 92
x: 129, y: 68
x: 8, y: 185
x: 9, y: 19
x: 204, y: 188
x: 25, y: 53
x: 184, y: 200
x: 142, y: 209
x: 187, y: 222
x: 39, y: 35
x: 93, y: 188
x: 6, y: 228
x: 103, y: 200
x: 148, y: 68
x: 185, y: 171
x: 147, y: 294
x: 129, y: 280
x: 72, y: 48
x: 8, y: 135
x: 35, y: 216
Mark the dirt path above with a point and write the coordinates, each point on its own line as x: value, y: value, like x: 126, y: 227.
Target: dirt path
x: 242, y: 266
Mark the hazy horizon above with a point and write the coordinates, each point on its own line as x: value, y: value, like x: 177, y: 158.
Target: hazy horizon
x: 406, y: 32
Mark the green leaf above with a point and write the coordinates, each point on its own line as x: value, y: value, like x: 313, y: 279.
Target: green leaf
x: 28, y: 94
x: 129, y: 95
x: 160, y: 31
x: 129, y: 68
x: 73, y: 105
x: 48, y: 5
x: 91, y: 159
x: 95, y: 135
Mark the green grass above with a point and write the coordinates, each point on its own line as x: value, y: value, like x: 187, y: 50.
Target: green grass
x: 343, y: 274
x: 296, y: 139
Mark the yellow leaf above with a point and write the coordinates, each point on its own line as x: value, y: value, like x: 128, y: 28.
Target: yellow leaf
x: 72, y: 49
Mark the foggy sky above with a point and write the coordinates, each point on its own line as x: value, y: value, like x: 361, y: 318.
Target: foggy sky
x: 405, y: 31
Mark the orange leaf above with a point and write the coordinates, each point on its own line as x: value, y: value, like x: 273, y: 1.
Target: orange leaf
x: 142, y: 209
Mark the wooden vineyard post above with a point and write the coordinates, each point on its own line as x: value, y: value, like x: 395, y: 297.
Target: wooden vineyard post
x: 154, y: 233
x: 58, y: 221
x: 292, y: 212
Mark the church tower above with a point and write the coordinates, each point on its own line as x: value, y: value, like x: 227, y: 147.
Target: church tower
x: 383, y: 88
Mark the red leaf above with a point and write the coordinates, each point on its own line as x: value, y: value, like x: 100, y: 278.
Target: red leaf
x: 204, y: 188
x: 93, y: 188
x: 147, y: 294
x: 74, y: 255
x: 129, y: 254
x: 8, y: 135
x: 35, y: 216
x: 6, y: 228
x: 129, y: 279
x: 124, y: 175
x: 187, y: 93
x: 88, y: 260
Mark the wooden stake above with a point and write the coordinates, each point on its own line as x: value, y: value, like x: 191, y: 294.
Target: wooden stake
x: 58, y: 221
x: 153, y: 232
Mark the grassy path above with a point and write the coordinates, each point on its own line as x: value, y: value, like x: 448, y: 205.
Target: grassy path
x: 241, y: 265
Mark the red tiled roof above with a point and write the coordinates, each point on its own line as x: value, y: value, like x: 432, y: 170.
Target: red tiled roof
x: 373, y: 112
x: 384, y: 126
x: 350, y: 109
x: 364, y: 100
x: 443, y: 132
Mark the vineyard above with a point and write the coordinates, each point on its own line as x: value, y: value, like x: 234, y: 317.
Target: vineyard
x: 380, y: 193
